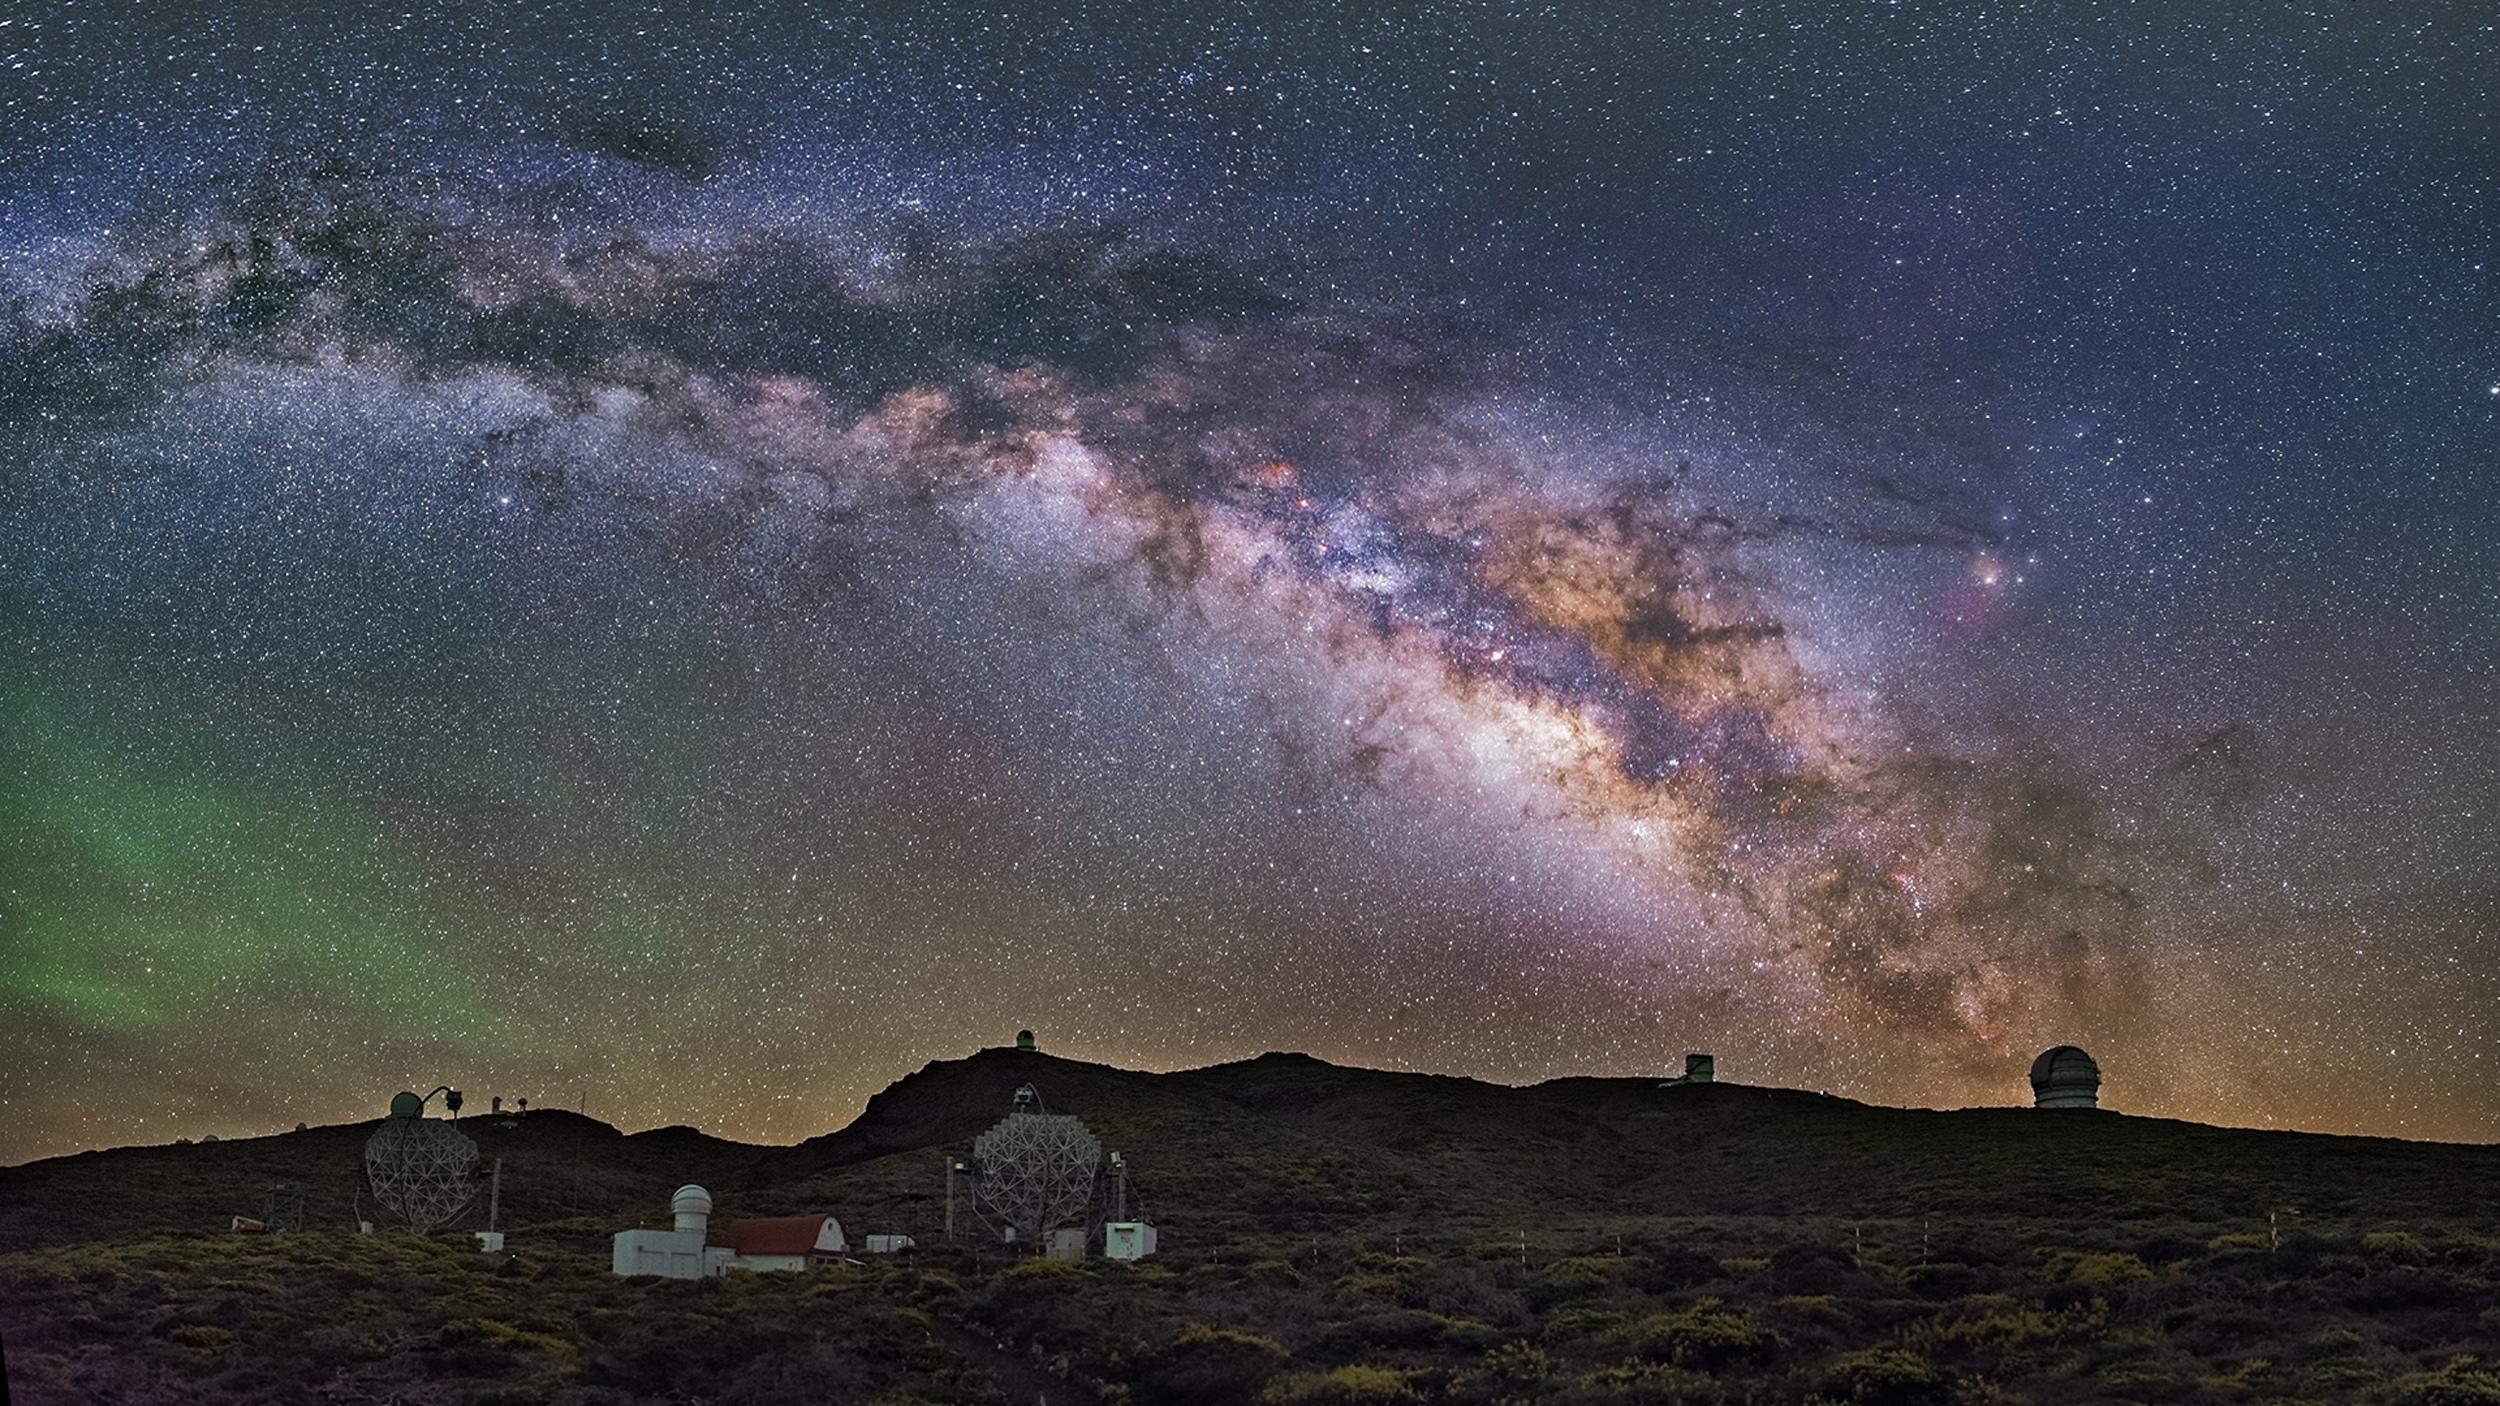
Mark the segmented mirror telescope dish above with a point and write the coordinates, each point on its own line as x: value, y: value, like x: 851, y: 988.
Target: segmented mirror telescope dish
x: 422, y: 1169
x: 1036, y: 1170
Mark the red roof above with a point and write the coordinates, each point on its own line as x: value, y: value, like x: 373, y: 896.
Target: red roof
x: 778, y: 1235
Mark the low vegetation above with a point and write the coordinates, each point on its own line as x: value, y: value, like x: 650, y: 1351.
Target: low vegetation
x: 1681, y: 1311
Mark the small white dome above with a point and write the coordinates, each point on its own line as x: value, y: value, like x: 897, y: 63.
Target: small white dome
x: 691, y: 1200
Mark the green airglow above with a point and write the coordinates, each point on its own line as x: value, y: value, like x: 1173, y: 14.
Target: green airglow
x: 138, y: 891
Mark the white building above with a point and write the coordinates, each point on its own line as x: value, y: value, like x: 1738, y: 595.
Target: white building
x: 767, y: 1243
x: 1127, y: 1240
x: 678, y: 1253
x: 785, y: 1242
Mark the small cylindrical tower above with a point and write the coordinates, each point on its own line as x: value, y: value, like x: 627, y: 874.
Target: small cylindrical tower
x: 2065, y: 1077
x: 1024, y: 1039
x: 693, y: 1206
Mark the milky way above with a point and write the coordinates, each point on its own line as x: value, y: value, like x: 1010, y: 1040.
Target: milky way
x: 688, y: 569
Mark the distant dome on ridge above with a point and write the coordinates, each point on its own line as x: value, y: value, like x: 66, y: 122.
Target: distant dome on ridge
x: 2065, y: 1077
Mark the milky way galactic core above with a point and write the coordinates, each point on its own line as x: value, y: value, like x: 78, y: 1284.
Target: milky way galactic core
x: 688, y: 563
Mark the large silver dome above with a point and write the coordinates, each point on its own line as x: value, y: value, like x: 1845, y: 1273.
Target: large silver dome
x: 2065, y: 1077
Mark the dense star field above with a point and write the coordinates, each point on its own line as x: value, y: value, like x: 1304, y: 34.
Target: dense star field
x: 688, y: 562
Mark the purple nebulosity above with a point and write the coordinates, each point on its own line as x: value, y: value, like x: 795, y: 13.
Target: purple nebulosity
x: 1430, y: 583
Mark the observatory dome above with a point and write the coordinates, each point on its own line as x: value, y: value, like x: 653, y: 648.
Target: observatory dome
x: 407, y: 1106
x: 693, y: 1207
x: 2065, y: 1077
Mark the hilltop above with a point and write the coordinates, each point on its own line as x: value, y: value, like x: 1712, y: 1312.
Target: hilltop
x: 1599, y: 1146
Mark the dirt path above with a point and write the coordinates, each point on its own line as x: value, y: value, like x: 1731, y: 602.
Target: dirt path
x: 1024, y: 1381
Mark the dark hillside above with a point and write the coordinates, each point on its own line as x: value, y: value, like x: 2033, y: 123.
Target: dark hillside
x: 1331, y: 1237
x: 557, y: 1165
x: 1287, y: 1138
x: 1227, y: 1137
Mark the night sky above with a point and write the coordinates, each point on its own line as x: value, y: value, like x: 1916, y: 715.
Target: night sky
x: 687, y: 561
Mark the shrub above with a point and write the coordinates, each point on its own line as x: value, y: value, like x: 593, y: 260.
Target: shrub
x: 1468, y: 1335
x: 2250, y: 1372
x: 1517, y: 1364
x: 1996, y: 1322
x: 1565, y: 1280
x: 1583, y: 1321
x: 1707, y: 1334
x: 1637, y: 1383
x: 494, y: 1332
x: 2103, y: 1271
x: 1940, y: 1281
x: 2394, y: 1245
x: 2404, y: 1286
x: 1355, y: 1385
x: 1829, y: 1310
x: 1042, y: 1267
x: 206, y: 1337
x: 2168, y: 1248
x: 1886, y: 1376
x: 1203, y: 1366
x: 1400, y: 1330
x: 2335, y: 1340
x: 1669, y: 1270
x: 2137, y: 1379
x: 1814, y: 1269
x: 2462, y: 1382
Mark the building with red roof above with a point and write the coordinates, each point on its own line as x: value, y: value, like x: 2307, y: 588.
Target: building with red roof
x: 785, y: 1242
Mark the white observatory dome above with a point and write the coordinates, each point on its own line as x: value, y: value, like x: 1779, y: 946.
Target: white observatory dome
x: 693, y: 1206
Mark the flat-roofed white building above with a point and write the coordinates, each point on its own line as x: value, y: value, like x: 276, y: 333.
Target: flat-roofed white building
x: 679, y: 1253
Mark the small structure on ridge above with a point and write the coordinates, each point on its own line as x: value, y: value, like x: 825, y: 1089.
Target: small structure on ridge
x: 2065, y: 1077
x: 1698, y: 1069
